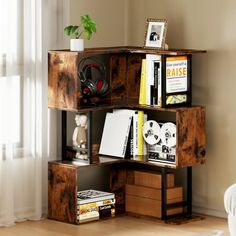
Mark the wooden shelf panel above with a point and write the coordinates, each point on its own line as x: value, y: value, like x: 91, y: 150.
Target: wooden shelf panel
x: 131, y: 49
x: 124, y: 104
x: 107, y: 160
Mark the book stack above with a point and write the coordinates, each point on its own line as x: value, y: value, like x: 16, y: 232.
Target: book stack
x: 94, y: 205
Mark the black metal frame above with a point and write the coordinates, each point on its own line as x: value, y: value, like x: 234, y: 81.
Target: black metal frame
x: 63, y: 134
x: 187, y: 203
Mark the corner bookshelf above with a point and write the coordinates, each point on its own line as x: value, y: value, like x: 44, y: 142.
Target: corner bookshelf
x: 123, y: 75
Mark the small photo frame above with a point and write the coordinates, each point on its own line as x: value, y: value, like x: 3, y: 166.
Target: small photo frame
x: 155, y: 33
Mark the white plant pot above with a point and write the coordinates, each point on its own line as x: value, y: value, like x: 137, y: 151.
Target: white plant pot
x: 77, y: 44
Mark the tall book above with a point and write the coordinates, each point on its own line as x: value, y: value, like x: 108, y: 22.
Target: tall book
x: 177, y: 83
x: 158, y: 81
x: 152, y: 78
x: 115, y: 134
x: 133, y: 129
x: 143, y: 84
x: 142, y: 147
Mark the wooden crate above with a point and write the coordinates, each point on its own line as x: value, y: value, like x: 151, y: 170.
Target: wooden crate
x: 152, y: 180
x: 147, y: 201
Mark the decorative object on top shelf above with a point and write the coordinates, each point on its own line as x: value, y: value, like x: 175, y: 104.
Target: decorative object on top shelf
x: 155, y: 33
x: 79, y: 137
x: 87, y: 27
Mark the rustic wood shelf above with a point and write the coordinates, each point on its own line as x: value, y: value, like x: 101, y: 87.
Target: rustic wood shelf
x: 123, y: 74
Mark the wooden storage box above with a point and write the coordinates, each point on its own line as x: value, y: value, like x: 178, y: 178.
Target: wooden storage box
x: 147, y: 201
x: 152, y: 180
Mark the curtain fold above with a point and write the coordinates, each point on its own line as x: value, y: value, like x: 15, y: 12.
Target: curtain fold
x: 28, y: 130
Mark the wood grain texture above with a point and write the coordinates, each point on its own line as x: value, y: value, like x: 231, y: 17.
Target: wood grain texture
x: 191, y: 136
x: 133, y: 75
x: 152, y: 179
x: 118, y: 82
x: 118, y: 178
x: 62, y: 193
x: 124, y: 69
x: 62, y: 80
x: 133, y: 49
x: 174, y: 194
x: 118, y: 226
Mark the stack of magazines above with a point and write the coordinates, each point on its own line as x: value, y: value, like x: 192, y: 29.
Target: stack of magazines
x: 94, y: 205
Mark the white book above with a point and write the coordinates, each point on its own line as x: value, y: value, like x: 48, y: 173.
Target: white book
x: 115, y: 134
x: 91, y: 195
x: 152, y: 85
x: 145, y: 152
x: 159, y: 86
x: 134, y: 130
x: 110, y: 201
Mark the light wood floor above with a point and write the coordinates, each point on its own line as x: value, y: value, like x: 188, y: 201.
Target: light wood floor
x: 118, y: 226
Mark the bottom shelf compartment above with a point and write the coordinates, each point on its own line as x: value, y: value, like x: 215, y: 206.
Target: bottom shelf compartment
x: 135, y: 189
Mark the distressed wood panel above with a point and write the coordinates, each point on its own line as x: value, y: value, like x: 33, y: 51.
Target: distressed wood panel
x: 62, y: 80
x: 133, y: 76
x: 191, y: 136
x: 62, y: 193
x: 118, y: 178
x: 118, y: 83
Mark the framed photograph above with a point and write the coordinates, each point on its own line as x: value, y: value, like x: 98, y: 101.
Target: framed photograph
x: 155, y: 33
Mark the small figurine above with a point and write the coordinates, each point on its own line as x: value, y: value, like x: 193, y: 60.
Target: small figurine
x: 79, y: 137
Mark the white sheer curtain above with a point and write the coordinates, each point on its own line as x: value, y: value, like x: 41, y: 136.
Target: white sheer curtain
x: 29, y: 28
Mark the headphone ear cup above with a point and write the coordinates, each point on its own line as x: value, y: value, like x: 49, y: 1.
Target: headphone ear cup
x: 88, y: 88
x: 101, y: 87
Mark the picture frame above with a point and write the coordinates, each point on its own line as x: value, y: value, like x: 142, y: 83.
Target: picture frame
x: 155, y: 34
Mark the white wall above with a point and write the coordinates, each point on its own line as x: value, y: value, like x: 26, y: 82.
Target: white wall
x: 202, y: 24
x: 110, y: 16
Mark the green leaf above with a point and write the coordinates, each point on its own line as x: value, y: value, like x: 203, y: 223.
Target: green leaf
x: 71, y: 30
x: 67, y: 30
x: 87, y: 34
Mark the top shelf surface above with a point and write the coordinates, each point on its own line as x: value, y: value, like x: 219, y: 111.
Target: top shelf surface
x: 128, y: 49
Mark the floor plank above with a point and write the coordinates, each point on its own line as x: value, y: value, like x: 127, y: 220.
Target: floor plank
x: 118, y: 226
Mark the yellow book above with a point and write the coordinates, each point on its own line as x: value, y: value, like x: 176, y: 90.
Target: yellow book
x: 142, y: 91
x: 140, y: 132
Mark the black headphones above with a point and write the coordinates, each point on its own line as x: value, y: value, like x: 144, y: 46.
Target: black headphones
x: 92, y: 75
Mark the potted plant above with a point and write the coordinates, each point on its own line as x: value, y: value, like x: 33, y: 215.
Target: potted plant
x: 86, y: 28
